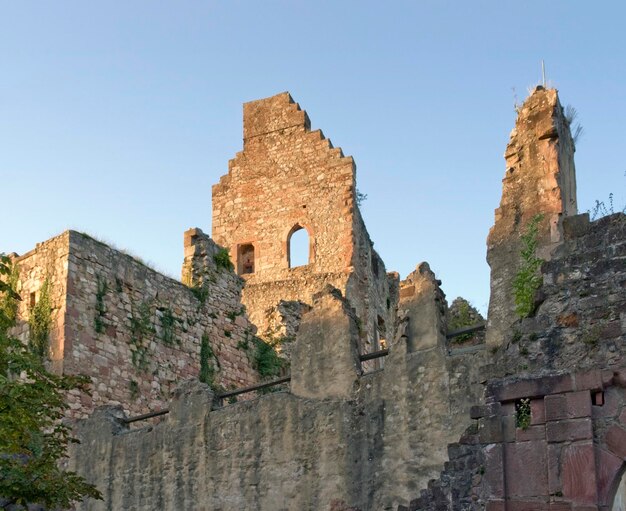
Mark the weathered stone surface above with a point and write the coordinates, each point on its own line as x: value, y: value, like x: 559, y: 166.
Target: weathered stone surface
x: 289, y: 178
x: 325, y: 362
x: 135, y: 332
x: 539, y: 179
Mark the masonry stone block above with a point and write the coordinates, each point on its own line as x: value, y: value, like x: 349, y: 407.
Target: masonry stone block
x: 569, y: 430
x: 526, y: 468
x: 579, y: 474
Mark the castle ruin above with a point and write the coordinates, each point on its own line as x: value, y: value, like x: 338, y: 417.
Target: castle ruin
x: 534, y: 418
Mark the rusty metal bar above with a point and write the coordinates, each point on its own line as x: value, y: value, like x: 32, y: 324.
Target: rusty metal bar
x: 258, y: 386
x: 373, y: 355
x: 468, y: 330
x: 146, y: 416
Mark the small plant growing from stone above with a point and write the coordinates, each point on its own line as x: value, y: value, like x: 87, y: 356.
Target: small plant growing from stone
x: 528, y: 280
x: 522, y: 413
x: 222, y: 259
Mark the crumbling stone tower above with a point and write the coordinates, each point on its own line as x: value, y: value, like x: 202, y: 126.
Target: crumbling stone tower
x: 289, y: 178
x: 540, y: 179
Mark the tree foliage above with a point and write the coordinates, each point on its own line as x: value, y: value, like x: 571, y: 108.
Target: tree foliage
x: 33, y: 438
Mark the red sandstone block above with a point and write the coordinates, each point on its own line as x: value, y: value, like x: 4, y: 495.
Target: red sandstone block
x: 568, y: 406
x: 526, y: 505
x: 537, y: 412
x: 555, y: 407
x: 579, y: 474
x: 585, y: 508
x: 526, y: 469
x: 555, y: 485
x: 495, y: 505
x: 578, y: 404
x: 616, y: 441
x: 560, y: 506
x: 494, y: 471
x: 607, y: 470
x: 538, y: 387
x: 532, y: 433
x: 589, y: 380
x: 569, y: 430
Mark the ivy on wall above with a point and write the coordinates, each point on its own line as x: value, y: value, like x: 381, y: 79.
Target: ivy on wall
x: 528, y: 279
x: 39, y: 322
x: 8, y: 299
x: 140, y: 329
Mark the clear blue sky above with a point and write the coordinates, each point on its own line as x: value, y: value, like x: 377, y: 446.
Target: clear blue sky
x: 117, y: 117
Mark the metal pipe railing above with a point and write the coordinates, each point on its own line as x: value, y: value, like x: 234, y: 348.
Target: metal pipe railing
x: 467, y: 330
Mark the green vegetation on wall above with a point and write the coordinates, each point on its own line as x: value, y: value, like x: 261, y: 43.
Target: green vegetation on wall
x: 222, y: 260
x: 168, y: 321
x: 39, y: 322
x: 140, y: 329
x: 528, y: 280
x: 9, y: 297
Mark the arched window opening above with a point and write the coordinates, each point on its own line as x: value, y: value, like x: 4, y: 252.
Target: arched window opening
x: 299, y: 251
x: 245, y: 259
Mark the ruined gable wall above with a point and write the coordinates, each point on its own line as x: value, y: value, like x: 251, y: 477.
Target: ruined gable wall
x: 539, y: 179
x: 289, y: 176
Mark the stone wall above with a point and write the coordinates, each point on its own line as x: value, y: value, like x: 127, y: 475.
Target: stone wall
x: 548, y: 443
x: 340, y: 439
x: 134, y: 331
x: 289, y: 178
x: 580, y: 316
x: 539, y: 180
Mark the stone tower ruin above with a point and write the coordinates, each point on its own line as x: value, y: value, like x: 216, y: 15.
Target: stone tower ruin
x: 539, y: 182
